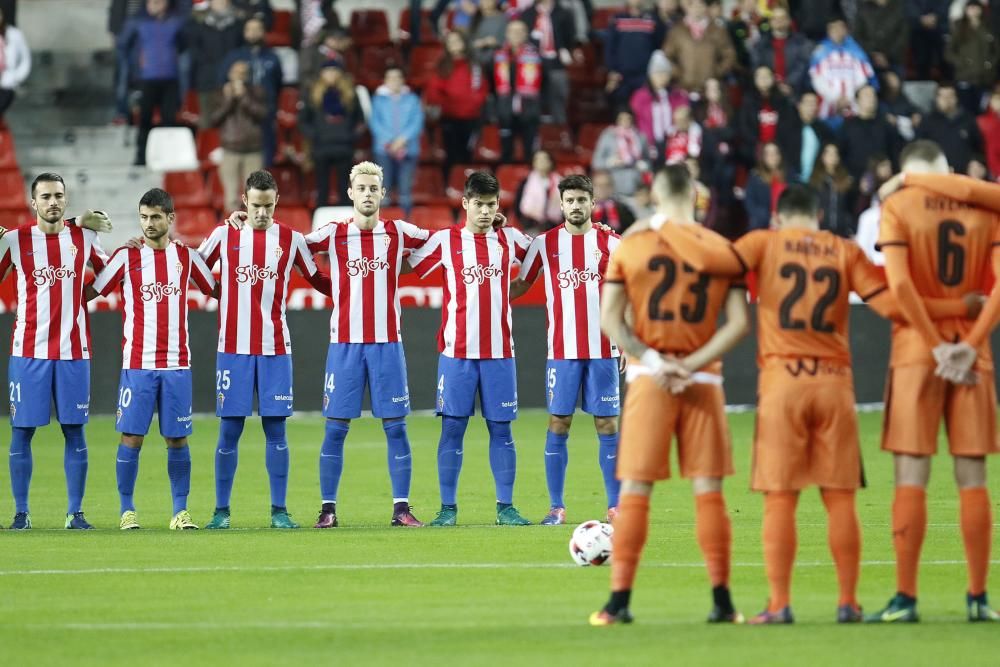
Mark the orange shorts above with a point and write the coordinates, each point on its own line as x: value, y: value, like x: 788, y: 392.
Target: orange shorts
x: 916, y: 401
x: 650, y: 419
x: 807, y: 427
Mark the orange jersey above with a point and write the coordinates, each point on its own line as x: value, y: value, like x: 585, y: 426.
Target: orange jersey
x: 804, y: 278
x: 675, y: 309
x: 950, y: 246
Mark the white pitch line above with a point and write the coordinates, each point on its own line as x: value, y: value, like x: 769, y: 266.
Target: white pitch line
x: 413, y: 566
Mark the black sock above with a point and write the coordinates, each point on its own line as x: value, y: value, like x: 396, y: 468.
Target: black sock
x: 330, y: 507
x: 398, y: 508
x: 722, y: 599
x: 453, y: 508
x: 502, y: 506
x: 222, y: 509
x: 619, y: 600
x: 275, y: 509
x: 981, y: 598
x: 908, y: 599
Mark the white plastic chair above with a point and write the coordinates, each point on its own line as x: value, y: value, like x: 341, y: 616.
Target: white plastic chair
x: 325, y: 214
x: 171, y: 149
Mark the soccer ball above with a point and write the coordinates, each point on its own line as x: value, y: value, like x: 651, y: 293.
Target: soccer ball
x: 591, y: 543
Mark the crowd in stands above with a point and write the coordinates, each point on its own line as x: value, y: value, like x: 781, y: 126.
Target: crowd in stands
x: 751, y: 98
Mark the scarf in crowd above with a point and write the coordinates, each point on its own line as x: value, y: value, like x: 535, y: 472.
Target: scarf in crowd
x: 629, y: 149
x: 715, y: 116
x: 313, y: 20
x: 540, y: 199
x: 663, y: 115
x: 606, y: 211
x: 697, y: 28
x: 524, y: 68
x: 544, y: 34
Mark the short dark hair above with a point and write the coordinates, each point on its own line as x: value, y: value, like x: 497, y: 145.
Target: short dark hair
x: 944, y: 85
x: 676, y: 179
x: 159, y: 198
x: 481, y: 183
x: 394, y: 67
x: 46, y: 177
x: 798, y: 199
x: 924, y: 150
x: 261, y: 180
x: 576, y: 182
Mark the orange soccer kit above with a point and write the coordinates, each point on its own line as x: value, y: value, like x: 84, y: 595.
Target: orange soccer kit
x: 675, y: 311
x: 937, y: 245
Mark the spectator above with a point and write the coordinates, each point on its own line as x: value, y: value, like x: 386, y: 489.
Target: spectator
x: 653, y: 105
x: 126, y: 62
x: 812, y: 16
x: 878, y: 171
x: 488, y: 30
x: 396, y: 124
x: 703, y: 202
x: 517, y: 81
x: 333, y: 44
x: 16, y: 65
x: 553, y: 33
x: 642, y: 203
x: 460, y: 14
x: 608, y: 209
x: 158, y: 37
x: 316, y: 19
x: 973, y: 53
x: 745, y: 26
x: 239, y: 117
x: 210, y: 35
x: 255, y: 9
x: 668, y: 13
x: 977, y: 168
x: 785, y: 51
x: 897, y: 107
x: 685, y: 138
x: 836, y: 191
x: 881, y: 29
x: 329, y: 120
x: 265, y: 71
x: 457, y: 92
x: 989, y: 128
x: 713, y: 113
x: 838, y: 69
x: 629, y: 44
x: 928, y: 26
x: 868, y: 134
x: 800, y: 139
x: 622, y: 151
x: 951, y: 128
x: 698, y: 48
x: 765, y: 184
x: 764, y: 109
x: 538, y: 202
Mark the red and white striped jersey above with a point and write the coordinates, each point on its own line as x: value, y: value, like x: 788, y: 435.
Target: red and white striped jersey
x: 255, y: 266
x: 475, y: 319
x: 364, y: 274
x: 52, y: 320
x: 574, y: 267
x: 154, y: 285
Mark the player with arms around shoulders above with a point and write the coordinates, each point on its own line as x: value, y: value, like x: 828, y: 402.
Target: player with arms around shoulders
x: 674, y: 346
x: 255, y: 349
x: 475, y: 341
x: 573, y: 258
x: 366, y: 258
x: 156, y: 366
x: 50, y: 351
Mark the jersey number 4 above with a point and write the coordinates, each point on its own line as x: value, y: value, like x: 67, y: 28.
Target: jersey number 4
x: 800, y: 277
x: 689, y: 313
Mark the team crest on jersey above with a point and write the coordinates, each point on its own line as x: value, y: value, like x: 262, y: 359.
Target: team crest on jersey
x: 326, y: 401
x: 13, y: 410
x: 118, y: 415
x: 597, y: 255
x: 222, y: 399
x: 73, y: 250
x: 179, y: 267
x: 278, y: 252
x: 386, y: 240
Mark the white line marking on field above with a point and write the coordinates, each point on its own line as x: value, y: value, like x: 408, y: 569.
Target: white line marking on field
x: 415, y: 566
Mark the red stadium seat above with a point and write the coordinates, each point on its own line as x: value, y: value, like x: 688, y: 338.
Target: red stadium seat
x: 557, y: 140
x: 12, y: 196
x: 456, y: 181
x: 218, y: 195
x: 427, y: 33
x: 571, y: 168
x: 373, y: 62
x: 188, y: 189
x: 194, y: 225
x: 207, y: 141
x: 289, y: 180
x: 8, y: 154
x: 431, y: 150
x: 586, y: 70
x: 296, y: 217
x: 423, y: 62
x: 589, y: 105
x: 190, y: 112
x: 281, y: 32
x: 432, y: 217
x: 288, y: 107
x: 369, y: 27
x: 392, y: 213
x: 603, y: 15
x: 510, y: 177
x: 309, y: 189
x: 488, y: 144
x: 428, y: 187
x: 586, y: 141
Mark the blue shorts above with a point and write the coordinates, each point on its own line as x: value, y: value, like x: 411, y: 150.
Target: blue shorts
x: 34, y: 383
x: 238, y: 376
x: 142, y: 392
x: 598, y: 378
x: 494, y: 379
x: 349, y: 366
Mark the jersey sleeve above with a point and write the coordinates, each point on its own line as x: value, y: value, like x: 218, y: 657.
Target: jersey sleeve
x: 520, y: 243
x: 6, y: 256
x: 98, y: 258
x: 211, y: 248
x: 892, y: 231
x: 304, y: 260
x: 319, y: 240
x: 413, y: 236
x: 616, y: 271
x: 427, y: 257
x: 866, y: 279
x: 963, y: 188
x: 532, y: 263
x: 750, y: 248
x: 113, y: 273
x: 201, y: 275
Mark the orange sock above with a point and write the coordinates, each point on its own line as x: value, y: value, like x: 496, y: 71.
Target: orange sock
x: 780, y: 542
x: 977, y: 532
x: 844, y: 535
x: 631, y: 528
x: 909, y: 525
x: 715, y: 535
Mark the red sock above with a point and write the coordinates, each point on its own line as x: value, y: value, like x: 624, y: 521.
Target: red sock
x: 844, y: 535
x: 714, y: 535
x: 631, y: 528
x: 780, y: 542
x: 977, y: 532
x: 909, y: 525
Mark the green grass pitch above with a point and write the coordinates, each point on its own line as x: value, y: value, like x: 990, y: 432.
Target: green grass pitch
x: 368, y: 594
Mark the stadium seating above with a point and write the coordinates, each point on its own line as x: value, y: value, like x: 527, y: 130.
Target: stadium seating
x: 487, y: 147
x: 193, y: 226
x: 190, y: 113
x: 288, y: 107
x: 295, y: 217
x: 8, y: 156
x: 423, y: 61
x: 456, y: 181
x: 327, y: 214
x: 171, y: 149
x: 557, y: 140
x: 281, y: 32
x: 188, y: 189
x: 431, y: 150
x: 602, y: 17
x: 428, y: 187
x: 206, y: 143
x: 432, y: 217
x: 369, y: 27
x: 373, y: 62
x: 510, y: 177
x: 392, y: 213
x: 218, y: 195
x: 12, y: 194
x: 289, y: 181
x: 427, y: 32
